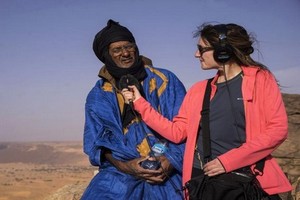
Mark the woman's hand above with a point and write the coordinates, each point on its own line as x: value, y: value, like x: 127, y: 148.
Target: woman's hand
x: 213, y: 168
x: 131, y: 94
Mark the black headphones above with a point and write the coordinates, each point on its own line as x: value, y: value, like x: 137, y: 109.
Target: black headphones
x: 222, y: 51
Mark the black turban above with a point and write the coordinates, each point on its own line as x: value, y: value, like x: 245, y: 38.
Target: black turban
x: 113, y: 32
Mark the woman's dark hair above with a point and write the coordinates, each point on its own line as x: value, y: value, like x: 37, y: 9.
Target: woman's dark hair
x: 237, y: 37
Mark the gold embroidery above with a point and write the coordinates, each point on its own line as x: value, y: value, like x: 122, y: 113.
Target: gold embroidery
x: 107, y: 87
x: 143, y: 148
x: 120, y: 101
x: 153, y: 85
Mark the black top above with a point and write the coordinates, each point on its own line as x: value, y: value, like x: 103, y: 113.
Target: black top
x: 227, y: 120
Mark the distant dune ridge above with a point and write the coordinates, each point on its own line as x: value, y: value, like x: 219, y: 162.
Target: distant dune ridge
x: 61, y: 171
x: 54, y: 153
x: 43, y: 170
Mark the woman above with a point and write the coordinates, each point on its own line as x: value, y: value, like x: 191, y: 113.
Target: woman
x: 248, y: 120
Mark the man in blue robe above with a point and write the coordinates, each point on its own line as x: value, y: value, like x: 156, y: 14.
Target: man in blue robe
x: 115, y: 138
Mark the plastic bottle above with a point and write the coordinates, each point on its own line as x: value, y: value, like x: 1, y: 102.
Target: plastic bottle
x: 158, y: 149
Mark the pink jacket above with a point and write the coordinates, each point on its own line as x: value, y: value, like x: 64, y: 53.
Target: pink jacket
x: 266, y: 127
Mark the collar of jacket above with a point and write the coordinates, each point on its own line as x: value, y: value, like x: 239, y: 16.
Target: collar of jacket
x: 249, y: 77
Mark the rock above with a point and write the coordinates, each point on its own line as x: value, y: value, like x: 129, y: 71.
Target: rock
x: 288, y: 154
x: 68, y: 192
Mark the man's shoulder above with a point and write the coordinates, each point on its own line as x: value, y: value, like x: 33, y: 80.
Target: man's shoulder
x: 99, y: 87
x: 160, y: 71
x: 165, y: 70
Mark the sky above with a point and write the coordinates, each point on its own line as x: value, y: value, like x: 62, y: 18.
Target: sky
x: 47, y: 65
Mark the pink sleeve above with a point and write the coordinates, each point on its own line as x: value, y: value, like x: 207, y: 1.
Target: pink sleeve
x: 172, y: 130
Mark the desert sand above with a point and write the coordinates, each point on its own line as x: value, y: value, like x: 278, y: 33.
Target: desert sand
x: 34, y: 171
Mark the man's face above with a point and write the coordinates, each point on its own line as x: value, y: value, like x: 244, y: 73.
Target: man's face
x: 122, y: 53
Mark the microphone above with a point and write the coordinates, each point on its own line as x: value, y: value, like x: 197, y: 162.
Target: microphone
x: 126, y: 80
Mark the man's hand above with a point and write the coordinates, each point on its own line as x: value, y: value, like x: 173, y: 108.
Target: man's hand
x: 166, y: 168
x: 133, y: 167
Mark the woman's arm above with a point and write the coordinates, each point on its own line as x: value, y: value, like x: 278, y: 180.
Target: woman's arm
x: 174, y: 131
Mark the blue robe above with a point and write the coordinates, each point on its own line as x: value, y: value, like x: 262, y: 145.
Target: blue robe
x: 103, y: 128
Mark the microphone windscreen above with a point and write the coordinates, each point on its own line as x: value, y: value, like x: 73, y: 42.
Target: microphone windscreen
x: 128, y: 80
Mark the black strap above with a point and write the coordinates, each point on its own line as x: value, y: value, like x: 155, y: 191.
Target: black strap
x: 206, y: 131
x: 259, y: 167
x: 205, y: 123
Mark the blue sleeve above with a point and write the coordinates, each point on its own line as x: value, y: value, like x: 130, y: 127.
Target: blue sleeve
x: 91, y: 129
